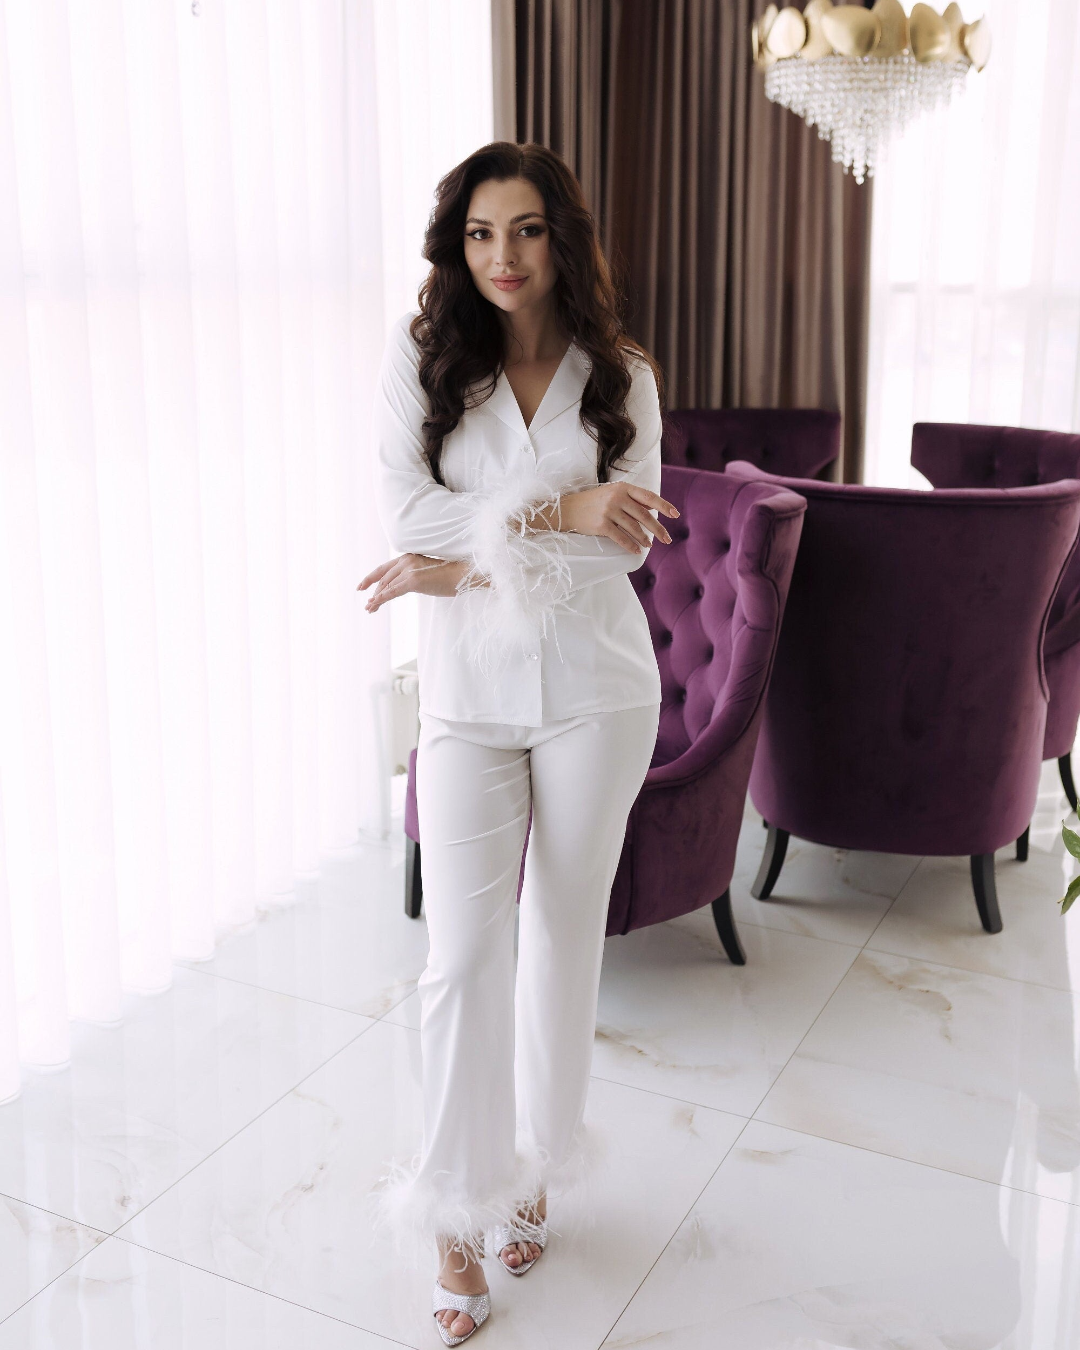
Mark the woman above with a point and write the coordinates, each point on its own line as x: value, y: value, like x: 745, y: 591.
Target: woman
x: 518, y: 465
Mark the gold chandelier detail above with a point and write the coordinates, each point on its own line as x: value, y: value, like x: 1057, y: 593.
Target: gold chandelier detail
x: 860, y: 74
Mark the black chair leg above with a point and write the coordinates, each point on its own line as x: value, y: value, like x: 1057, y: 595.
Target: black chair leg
x: 725, y: 926
x: 771, y: 862
x: 982, y: 880
x: 1065, y: 769
x: 414, y: 891
x: 1022, y: 845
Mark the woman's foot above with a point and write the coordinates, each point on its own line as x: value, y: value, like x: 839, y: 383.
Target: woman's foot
x: 461, y: 1275
x: 519, y: 1252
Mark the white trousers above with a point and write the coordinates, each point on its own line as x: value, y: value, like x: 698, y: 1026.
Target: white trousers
x: 506, y: 1062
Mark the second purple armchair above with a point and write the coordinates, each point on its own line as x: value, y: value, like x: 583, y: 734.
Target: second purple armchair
x: 907, y: 709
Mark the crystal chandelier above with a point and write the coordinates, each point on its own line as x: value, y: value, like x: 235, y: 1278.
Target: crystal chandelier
x: 859, y: 74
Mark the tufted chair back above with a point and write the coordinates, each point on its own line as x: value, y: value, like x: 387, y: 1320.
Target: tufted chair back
x: 708, y: 596
x: 967, y: 455
x: 800, y: 442
x: 714, y: 598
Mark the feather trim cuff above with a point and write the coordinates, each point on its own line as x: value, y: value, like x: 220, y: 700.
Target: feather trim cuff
x: 516, y: 579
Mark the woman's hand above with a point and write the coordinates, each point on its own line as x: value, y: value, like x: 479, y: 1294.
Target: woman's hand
x: 413, y: 572
x: 620, y: 511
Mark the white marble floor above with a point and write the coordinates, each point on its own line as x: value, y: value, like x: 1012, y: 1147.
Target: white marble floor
x: 867, y: 1137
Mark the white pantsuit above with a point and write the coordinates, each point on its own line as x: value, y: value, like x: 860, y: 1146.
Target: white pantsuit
x: 542, y: 689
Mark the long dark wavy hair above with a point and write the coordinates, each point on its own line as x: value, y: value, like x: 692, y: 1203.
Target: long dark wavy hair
x: 458, y: 331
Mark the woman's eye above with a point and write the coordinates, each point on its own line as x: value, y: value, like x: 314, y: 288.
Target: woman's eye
x: 481, y: 231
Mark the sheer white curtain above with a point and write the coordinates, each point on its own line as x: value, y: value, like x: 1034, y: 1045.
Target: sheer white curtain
x: 975, y: 294
x: 201, y: 246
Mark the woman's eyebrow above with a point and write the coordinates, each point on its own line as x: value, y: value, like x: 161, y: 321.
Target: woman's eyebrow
x: 475, y: 220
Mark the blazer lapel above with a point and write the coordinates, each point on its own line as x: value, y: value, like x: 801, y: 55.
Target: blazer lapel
x: 563, y: 392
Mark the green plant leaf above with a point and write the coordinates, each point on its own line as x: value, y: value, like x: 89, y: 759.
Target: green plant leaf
x: 1072, y: 840
x: 1070, y: 895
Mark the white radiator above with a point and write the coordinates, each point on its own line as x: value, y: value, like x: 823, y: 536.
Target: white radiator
x: 404, y: 716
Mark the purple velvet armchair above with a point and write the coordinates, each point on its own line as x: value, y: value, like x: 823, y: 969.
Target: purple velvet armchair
x: 907, y: 706
x: 714, y: 598
x: 958, y: 455
x: 801, y: 442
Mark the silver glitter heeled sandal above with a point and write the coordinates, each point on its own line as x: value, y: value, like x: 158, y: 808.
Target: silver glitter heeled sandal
x: 506, y: 1236
x: 476, y: 1306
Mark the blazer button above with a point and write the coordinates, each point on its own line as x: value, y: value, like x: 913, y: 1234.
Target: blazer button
x: 532, y: 656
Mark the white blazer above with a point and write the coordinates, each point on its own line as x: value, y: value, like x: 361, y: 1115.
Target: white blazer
x: 560, y: 630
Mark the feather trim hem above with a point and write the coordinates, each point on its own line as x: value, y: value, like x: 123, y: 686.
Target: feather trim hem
x: 410, y: 1211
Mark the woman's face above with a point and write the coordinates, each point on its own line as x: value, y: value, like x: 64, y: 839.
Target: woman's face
x: 507, y: 235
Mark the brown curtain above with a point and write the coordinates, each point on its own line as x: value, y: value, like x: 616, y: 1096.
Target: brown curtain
x: 742, y: 248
